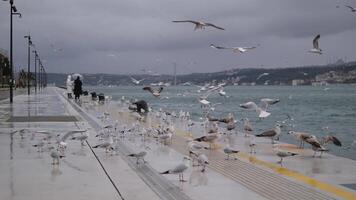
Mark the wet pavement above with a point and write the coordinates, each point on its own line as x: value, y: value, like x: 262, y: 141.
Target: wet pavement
x: 88, y: 173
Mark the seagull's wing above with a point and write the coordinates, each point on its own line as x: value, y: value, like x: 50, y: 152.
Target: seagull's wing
x: 219, y: 47
x: 249, y: 105
x: 133, y: 80
x: 148, y: 89
x: 212, y: 25
x: 253, y: 47
x: 349, y: 7
x: 141, y: 79
x: 264, y: 74
x: 316, y: 42
x: 183, y: 21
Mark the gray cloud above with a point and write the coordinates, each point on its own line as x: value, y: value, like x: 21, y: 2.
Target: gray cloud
x: 128, y: 35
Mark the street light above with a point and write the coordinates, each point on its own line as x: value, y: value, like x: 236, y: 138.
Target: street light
x: 28, y: 62
x: 36, y: 57
x: 13, y: 11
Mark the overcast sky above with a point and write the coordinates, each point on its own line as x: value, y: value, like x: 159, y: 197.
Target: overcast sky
x: 126, y: 36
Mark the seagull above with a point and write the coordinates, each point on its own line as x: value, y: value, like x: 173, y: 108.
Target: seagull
x: 261, y: 110
x: 316, y: 145
x: 137, y: 82
x: 141, y: 155
x: 234, y: 49
x: 333, y: 139
x: 247, y: 126
x: 210, y: 138
x: 282, y: 154
x: 353, y: 9
x: 81, y: 138
x: 261, y: 75
x: 155, y: 92
x: 203, y: 161
x: 301, y: 136
x: 252, y: 106
x: 64, y: 137
x: 194, y: 146
x: 39, y: 145
x: 179, y: 169
x: 316, y: 48
x: 107, y: 145
x: 199, y: 25
x: 55, y: 155
x: 222, y: 93
x: 228, y: 151
x: 271, y: 133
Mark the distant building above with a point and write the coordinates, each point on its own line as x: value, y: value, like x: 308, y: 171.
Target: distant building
x: 296, y: 82
x: 319, y: 83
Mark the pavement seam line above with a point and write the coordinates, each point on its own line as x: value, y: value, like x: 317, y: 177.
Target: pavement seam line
x: 97, y: 158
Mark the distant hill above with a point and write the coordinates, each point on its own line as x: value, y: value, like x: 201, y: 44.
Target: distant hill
x: 339, y: 72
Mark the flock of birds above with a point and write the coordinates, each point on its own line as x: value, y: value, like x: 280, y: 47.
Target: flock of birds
x: 213, y: 130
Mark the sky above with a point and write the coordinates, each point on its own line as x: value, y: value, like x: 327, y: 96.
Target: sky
x: 130, y: 36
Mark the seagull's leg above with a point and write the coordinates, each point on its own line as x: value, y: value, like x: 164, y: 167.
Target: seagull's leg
x: 314, y: 154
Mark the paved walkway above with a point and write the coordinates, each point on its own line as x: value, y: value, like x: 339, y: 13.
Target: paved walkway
x: 87, y: 173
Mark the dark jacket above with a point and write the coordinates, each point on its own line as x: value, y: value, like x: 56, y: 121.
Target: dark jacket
x: 77, y: 87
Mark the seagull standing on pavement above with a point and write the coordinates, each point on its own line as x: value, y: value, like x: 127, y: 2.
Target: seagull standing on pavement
x: 283, y: 154
x: 198, y: 24
x: 271, y: 133
x: 229, y: 151
x: 141, y: 155
x: 179, y: 169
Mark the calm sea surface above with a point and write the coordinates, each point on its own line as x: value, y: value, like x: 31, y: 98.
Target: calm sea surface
x: 311, y: 107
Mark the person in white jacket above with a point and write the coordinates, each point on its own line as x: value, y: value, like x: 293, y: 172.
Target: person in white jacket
x: 69, y: 87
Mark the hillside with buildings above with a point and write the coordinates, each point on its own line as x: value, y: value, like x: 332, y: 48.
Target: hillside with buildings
x: 341, y: 73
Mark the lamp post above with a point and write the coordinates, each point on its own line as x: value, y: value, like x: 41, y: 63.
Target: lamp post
x: 13, y: 11
x: 36, y: 57
x: 28, y: 62
x: 40, y: 74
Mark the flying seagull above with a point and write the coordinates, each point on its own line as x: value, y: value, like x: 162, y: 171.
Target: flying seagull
x: 353, y: 9
x: 234, y: 49
x: 262, y: 109
x: 261, y: 75
x: 199, y: 25
x: 135, y: 81
x: 316, y: 48
x: 155, y: 92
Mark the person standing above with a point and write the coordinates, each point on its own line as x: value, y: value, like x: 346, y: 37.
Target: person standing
x: 77, y: 88
x: 69, y: 87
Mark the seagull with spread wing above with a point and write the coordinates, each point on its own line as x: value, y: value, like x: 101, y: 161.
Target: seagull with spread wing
x: 155, y: 92
x: 353, y: 9
x: 199, y: 24
x: 316, y: 48
x: 135, y: 81
x: 234, y: 49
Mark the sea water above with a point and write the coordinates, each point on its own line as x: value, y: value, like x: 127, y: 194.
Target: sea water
x: 316, y: 110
